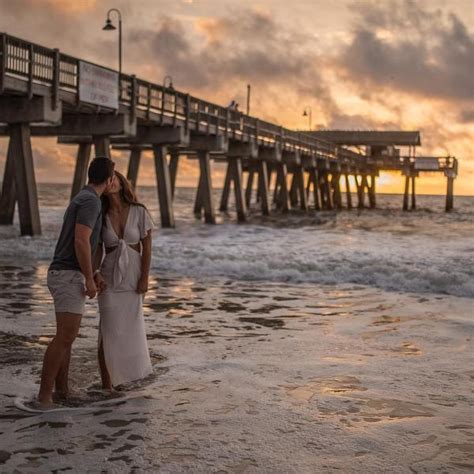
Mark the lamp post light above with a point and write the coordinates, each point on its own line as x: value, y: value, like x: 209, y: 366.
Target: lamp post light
x: 109, y: 26
x: 308, y: 112
x: 170, y: 86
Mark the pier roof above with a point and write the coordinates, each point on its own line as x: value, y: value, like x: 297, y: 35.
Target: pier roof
x: 369, y: 138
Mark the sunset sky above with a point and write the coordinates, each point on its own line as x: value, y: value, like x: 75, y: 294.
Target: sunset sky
x: 391, y: 64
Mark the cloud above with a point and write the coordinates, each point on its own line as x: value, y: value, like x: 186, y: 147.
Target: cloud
x: 247, y: 45
x: 374, y: 65
x: 398, y: 45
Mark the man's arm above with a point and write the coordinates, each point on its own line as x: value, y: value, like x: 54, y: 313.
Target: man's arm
x: 96, y: 262
x: 82, y: 247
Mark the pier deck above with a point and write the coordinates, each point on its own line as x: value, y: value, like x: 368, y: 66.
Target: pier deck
x: 44, y: 92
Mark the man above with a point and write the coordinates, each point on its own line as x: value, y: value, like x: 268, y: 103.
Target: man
x: 70, y: 277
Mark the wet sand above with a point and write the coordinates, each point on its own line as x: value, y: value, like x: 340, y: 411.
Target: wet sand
x: 266, y: 377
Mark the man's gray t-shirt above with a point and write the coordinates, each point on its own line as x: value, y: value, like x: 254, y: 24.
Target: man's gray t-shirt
x: 85, y: 208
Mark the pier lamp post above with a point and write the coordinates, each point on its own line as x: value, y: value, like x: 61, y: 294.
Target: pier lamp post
x: 248, y: 98
x: 307, y: 112
x: 109, y: 26
x: 167, y: 79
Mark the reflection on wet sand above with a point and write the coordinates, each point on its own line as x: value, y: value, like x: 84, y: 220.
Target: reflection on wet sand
x: 312, y: 379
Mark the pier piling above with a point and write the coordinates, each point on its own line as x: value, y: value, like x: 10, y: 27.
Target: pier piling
x: 163, y: 182
x: 263, y: 183
x: 235, y: 167
x: 226, y: 191
x: 205, y: 188
x: 133, y: 165
x: 449, y: 194
x: 25, y: 181
x: 249, y: 188
x: 406, y: 193
x: 413, y: 196
x: 174, y: 161
x: 8, y: 198
x: 80, y: 170
x: 348, y: 192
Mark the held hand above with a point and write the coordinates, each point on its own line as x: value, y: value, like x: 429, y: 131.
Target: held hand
x: 142, y: 286
x: 100, y: 283
x: 91, y: 289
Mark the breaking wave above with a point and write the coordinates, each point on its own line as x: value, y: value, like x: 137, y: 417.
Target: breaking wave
x: 422, y: 252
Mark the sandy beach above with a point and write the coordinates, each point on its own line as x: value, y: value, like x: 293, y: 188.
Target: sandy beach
x: 311, y: 343
x: 253, y: 379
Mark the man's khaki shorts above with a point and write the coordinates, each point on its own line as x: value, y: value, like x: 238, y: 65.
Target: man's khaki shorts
x: 67, y: 289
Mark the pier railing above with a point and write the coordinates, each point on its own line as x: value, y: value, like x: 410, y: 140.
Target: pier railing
x: 59, y: 72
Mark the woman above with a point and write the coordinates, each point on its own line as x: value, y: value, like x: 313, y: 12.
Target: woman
x: 123, y: 280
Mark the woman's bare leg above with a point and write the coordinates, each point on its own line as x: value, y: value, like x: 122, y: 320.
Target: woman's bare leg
x: 104, y: 373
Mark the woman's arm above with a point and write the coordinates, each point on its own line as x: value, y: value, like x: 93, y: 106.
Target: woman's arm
x: 146, y: 262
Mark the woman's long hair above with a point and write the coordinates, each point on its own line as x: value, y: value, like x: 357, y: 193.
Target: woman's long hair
x: 127, y: 196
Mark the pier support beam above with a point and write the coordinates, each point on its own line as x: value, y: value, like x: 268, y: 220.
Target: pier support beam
x: 204, y: 193
x: 336, y: 190
x: 134, y: 165
x: 322, y: 189
x: 371, y: 192
x: 102, y: 145
x: 449, y: 194
x: 413, y: 196
x: 294, y: 191
x: 235, y: 169
x: 298, y: 178
x: 164, y: 185
x: 80, y: 170
x: 225, y: 192
x: 325, y: 187
x: 234, y: 175
x: 25, y: 182
x: 249, y: 188
x: 348, y: 192
x: 281, y: 196
x: 8, y: 198
x: 410, y: 175
x: 361, y: 185
x: 406, y: 193
x: 174, y: 161
x: 313, y: 182
x: 263, y: 180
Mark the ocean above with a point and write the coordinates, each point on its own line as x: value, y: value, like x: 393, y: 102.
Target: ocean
x: 306, y: 342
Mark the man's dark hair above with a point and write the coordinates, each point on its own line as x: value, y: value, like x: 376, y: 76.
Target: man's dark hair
x: 100, y: 170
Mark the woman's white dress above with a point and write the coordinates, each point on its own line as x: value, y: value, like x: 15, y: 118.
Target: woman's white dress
x: 122, y: 326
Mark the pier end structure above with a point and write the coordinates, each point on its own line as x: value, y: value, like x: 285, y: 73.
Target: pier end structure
x: 392, y: 151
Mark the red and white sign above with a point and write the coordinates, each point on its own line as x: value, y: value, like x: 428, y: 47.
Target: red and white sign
x: 98, y: 85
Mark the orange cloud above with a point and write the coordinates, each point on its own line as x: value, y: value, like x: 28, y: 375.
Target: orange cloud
x: 68, y: 6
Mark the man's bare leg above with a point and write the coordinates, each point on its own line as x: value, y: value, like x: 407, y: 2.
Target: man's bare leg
x: 67, y: 328
x: 61, y: 388
x: 104, y: 373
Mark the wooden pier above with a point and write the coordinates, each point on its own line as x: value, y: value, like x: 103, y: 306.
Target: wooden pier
x: 46, y: 93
